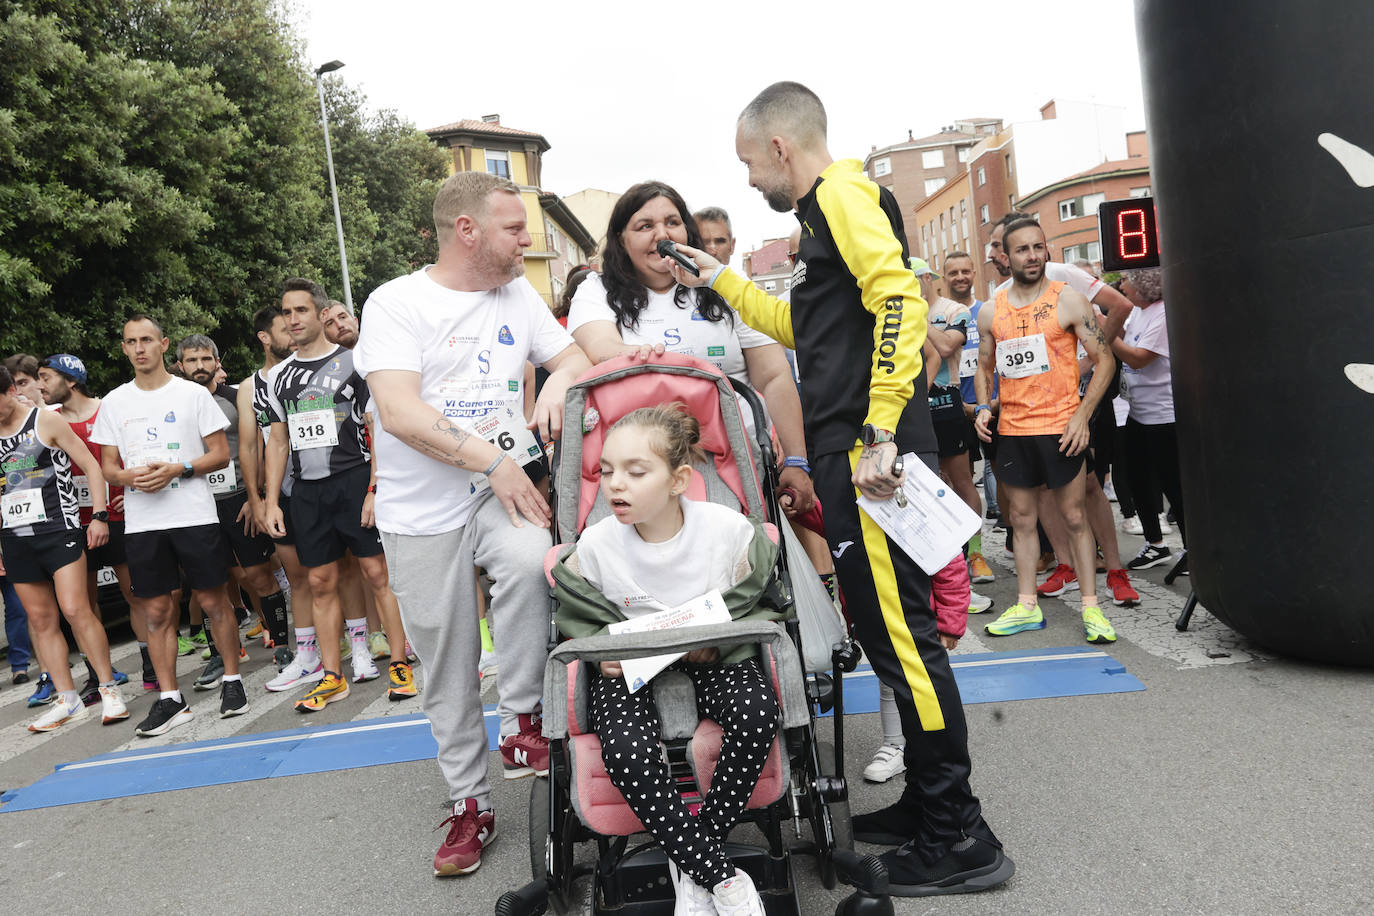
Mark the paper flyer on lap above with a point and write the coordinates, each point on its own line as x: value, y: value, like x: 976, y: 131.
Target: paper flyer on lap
x: 704, y: 609
x: 935, y: 523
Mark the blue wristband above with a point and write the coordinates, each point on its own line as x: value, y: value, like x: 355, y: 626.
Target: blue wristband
x: 796, y: 461
x: 981, y: 407
x: 710, y: 284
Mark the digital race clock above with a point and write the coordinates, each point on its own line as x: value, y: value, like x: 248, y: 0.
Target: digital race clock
x: 1128, y: 234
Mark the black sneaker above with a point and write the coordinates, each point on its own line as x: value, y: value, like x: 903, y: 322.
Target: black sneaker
x: 165, y: 715
x: 971, y: 865
x: 214, y: 670
x: 232, y: 700
x: 282, y: 657
x: 890, y: 826
x: 90, y: 692
x: 1150, y: 555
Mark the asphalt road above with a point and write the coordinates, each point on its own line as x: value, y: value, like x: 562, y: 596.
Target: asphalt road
x: 1235, y: 783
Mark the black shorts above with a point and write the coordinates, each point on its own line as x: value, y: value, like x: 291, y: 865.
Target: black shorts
x: 955, y: 437
x: 327, y: 515
x: 1034, y: 461
x: 38, y: 557
x: 289, y: 539
x: 248, y: 550
x: 111, y: 553
x: 157, y: 559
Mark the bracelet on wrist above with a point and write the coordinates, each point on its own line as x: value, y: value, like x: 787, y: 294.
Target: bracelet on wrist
x: 495, y: 464
x: 981, y: 407
x: 797, y: 461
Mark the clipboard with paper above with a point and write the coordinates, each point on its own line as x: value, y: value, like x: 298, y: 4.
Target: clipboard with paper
x: 935, y: 523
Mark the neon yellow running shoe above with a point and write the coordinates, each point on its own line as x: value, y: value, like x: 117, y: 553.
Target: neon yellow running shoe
x: 1096, y: 627
x: 1017, y: 619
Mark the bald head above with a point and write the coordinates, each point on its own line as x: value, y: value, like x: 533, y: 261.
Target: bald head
x: 787, y: 110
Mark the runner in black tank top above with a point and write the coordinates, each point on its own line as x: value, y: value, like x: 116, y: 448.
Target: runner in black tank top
x: 45, y: 559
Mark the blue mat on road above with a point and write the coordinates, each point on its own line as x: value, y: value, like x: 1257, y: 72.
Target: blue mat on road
x: 994, y: 677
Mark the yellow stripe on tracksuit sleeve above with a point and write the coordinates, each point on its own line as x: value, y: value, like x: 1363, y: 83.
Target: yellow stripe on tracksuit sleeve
x: 864, y: 238
x: 894, y: 617
x: 764, y: 313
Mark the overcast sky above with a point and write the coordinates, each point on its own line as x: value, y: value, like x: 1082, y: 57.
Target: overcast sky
x: 651, y: 89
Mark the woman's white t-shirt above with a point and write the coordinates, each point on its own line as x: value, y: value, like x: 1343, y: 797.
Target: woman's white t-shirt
x: 644, y: 578
x: 680, y: 328
x: 1150, y: 391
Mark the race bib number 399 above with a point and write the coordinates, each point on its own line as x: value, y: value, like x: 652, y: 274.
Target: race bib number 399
x: 1020, y: 357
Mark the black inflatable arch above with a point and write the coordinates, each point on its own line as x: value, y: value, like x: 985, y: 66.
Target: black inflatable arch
x: 1262, y: 161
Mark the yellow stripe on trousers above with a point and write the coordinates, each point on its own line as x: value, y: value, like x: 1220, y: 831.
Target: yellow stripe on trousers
x: 894, y: 618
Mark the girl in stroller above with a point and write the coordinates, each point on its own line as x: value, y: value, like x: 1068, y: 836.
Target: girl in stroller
x: 659, y: 550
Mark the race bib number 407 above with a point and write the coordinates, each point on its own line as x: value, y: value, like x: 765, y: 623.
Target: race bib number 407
x: 1020, y: 357
x: 23, y: 508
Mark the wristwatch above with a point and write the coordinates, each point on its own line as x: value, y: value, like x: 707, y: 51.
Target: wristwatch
x: 871, y: 435
x: 101, y: 516
x: 187, y: 471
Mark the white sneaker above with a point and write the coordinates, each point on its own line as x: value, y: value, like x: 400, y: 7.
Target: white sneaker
x: 363, y: 667
x: 888, y: 762
x: 1164, y: 526
x: 1132, y: 525
x: 737, y: 897
x: 692, y: 898
x: 112, y: 707
x: 977, y: 603
x: 1109, y: 491
x: 300, y: 671
x: 58, y: 714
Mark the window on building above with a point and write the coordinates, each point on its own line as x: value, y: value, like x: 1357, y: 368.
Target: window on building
x: 1007, y: 158
x: 942, y: 221
x: 1091, y: 202
x: 1092, y: 251
x: 498, y: 162
x: 943, y: 243
x: 933, y: 185
x: 882, y: 167
x: 982, y: 179
x: 963, y: 227
x: 1140, y: 192
x: 963, y: 154
x: 1011, y: 201
x: 933, y: 159
x: 983, y: 215
x: 1071, y: 254
x: 770, y: 285
x: 1071, y: 208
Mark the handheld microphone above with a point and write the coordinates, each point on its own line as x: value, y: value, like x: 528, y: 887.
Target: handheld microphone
x: 668, y: 250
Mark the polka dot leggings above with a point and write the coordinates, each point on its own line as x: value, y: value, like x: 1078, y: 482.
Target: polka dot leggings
x: 738, y: 699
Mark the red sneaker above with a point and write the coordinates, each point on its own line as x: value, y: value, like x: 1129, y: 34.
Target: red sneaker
x: 526, y: 752
x: 471, y: 831
x: 1122, y: 593
x: 1062, y: 580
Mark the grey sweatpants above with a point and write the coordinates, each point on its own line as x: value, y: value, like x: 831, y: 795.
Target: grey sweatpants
x: 432, y: 577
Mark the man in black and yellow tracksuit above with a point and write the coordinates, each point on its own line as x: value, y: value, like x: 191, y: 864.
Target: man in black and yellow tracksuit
x: 857, y: 322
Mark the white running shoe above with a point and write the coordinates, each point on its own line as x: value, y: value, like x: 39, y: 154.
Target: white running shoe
x: 977, y: 603
x: 112, y: 707
x: 486, y: 664
x: 888, y: 762
x: 1132, y: 525
x: 363, y: 667
x: 300, y: 671
x: 692, y: 898
x: 1164, y: 526
x: 1109, y: 491
x: 58, y: 714
x: 737, y: 897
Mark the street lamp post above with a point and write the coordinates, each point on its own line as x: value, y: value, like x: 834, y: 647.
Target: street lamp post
x: 333, y: 188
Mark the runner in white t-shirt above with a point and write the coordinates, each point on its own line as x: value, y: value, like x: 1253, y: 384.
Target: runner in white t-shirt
x: 444, y: 352
x: 1151, y: 439
x: 168, y: 434
x: 636, y: 303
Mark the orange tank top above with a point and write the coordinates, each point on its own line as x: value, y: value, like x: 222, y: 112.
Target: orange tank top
x: 1038, y: 364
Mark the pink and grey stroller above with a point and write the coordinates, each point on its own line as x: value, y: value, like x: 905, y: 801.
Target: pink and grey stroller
x: 802, y: 784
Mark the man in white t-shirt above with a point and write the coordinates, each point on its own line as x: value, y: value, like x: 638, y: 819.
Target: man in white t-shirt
x: 168, y: 435
x: 444, y: 351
